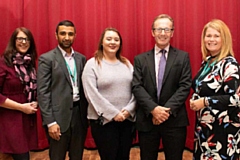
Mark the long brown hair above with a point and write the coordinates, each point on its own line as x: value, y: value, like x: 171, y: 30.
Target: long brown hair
x: 11, y: 47
x: 99, y: 53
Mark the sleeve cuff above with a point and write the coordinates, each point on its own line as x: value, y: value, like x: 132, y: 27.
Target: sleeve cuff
x: 51, y: 124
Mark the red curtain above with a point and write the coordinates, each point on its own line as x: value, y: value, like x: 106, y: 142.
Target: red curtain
x: 132, y: 18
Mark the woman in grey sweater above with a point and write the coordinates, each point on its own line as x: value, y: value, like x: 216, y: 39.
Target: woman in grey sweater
x: 107, y: 85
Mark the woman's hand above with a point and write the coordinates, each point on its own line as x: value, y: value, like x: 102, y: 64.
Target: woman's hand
x: 238, y: 91
x: 29, y: 108
x: 34, y: 104
x: 119, y: 117
x: 125, y: 113
x: 197, y: 104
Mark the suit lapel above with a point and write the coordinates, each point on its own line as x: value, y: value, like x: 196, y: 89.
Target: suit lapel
x: 170, y: 61
x: 77, y: 62
x: 61, y: 61
x: 151, y: 63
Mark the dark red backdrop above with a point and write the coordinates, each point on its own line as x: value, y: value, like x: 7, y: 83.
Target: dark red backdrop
x: 133, y: 18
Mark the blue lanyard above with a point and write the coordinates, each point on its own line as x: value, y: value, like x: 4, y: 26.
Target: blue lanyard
x: 74, y: 75
x: 206, y: 69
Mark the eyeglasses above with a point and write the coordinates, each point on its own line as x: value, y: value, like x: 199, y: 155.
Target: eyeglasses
x: 159, y: 30
x: 21, y: 39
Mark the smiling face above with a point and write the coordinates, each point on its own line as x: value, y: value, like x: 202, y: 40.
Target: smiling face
x: 22, y: 43
x: 110, y: 43
x: 162, y: 38
x: 65, y: 36
x: 213, y: 41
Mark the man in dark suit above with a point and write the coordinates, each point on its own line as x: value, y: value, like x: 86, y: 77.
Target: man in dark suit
x: 60, y: 95
x: 161, y: 113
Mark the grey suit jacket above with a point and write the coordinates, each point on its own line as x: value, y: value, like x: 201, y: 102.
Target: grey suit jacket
x: 55, y: 92
x: 175, y: 88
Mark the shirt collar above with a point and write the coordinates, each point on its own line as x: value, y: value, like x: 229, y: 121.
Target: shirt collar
x: 157, y: 49
x: 64, y: 53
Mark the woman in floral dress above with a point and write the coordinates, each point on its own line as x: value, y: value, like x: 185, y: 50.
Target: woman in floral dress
x: 214, y: 100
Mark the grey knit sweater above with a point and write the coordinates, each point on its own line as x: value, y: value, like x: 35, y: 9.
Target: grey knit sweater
x: 107, y: 88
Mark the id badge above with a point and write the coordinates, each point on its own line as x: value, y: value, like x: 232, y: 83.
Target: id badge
x: 75, y: 92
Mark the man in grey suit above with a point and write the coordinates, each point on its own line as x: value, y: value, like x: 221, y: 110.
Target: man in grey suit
x: 60, y: 96
x: 161, y: 95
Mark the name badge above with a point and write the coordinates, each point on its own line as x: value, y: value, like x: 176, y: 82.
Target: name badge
x: 75, y: 92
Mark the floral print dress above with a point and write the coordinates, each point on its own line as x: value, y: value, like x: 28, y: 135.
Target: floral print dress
x: 217, y: 130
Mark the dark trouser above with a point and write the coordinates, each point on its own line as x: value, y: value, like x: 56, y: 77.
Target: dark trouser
x: 173, y: 140
x: 113, y: 140
x: 22, y: 156
x: 72, y: 140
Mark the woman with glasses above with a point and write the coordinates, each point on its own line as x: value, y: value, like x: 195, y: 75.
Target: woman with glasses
x: 107, y: 85
x: 18, y: 88
x: 217, y: 131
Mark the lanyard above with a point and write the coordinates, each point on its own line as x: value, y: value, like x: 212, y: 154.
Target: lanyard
x: 204, y: 72
x: 74, y: 74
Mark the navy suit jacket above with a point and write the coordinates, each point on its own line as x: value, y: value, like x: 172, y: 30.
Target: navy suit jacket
x: 175, y: 88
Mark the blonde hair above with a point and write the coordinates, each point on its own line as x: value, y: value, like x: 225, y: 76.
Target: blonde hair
x: 226, y: 37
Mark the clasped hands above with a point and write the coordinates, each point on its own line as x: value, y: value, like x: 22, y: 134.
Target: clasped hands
x: 160, y: 114
x: 29, y: 108
x: 121, y: 116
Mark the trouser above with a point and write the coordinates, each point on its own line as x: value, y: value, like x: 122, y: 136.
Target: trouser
x: 72, y: 140
x: 173, y: 140
x: 113, y: 140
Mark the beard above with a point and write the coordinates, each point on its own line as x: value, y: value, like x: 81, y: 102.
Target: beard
x: 65, y: 44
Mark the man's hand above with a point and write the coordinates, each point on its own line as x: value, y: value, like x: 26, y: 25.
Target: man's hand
x: 54, y: 132
x: 155, y: 121
x: 160, y: 114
